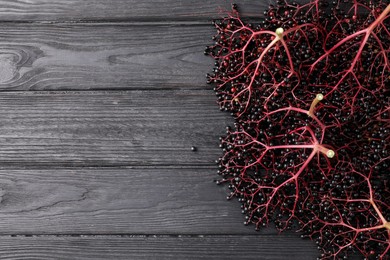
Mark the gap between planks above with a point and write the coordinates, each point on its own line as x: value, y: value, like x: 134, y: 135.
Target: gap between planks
x: 127, y: 22
x: 108, y: 235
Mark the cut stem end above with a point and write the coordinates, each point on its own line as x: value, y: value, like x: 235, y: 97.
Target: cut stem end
x: 330, y: 153
x: 317, y: 99
x: 279, y: 32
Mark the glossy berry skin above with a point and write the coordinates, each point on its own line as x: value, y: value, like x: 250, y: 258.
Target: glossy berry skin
x: 308, y: 87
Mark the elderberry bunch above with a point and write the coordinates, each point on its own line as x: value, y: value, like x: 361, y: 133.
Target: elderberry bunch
x: 308, y: 87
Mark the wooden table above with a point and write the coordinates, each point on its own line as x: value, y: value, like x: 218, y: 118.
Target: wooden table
x: 101, y: 103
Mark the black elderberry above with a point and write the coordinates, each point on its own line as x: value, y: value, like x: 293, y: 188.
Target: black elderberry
x: 349, y: 119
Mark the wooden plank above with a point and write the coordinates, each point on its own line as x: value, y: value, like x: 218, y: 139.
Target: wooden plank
x: 135, y: 200
x: 110, y: 128
x: 74, y: 57
x: 75, y: 10
x: 157, y: 247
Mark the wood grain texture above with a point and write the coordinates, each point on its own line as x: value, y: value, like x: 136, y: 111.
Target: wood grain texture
x: 96, y: 57
x: 65, y: 155
x: 157, y: 247
x: 132, y: 200
x: 110, y: 128
x: 75, y: 10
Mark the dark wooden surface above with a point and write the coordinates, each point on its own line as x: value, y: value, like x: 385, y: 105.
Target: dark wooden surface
x: 100, y: 104
x: 122, y: 10
x: 155, y: 247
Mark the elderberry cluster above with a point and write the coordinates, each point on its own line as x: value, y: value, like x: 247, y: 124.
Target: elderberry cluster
x: 308, y: 86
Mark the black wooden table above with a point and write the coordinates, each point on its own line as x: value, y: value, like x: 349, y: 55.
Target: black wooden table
x: 101, y: 103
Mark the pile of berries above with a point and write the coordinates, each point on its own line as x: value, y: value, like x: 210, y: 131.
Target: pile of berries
x: 308, y: 87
